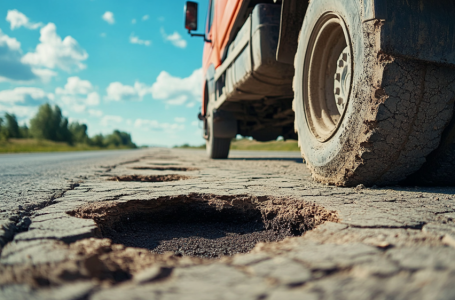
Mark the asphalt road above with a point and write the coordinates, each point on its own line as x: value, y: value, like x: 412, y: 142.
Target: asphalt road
x: 27, y: 180
x: 362, y: 243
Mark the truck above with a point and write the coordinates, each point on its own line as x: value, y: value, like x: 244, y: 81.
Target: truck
x: 367, y: 87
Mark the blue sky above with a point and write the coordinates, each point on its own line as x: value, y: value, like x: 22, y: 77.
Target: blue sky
x: 127, y: 65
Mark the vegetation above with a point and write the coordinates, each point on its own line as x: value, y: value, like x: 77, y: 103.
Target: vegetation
x: 50, y: 131
x: 246, y: 144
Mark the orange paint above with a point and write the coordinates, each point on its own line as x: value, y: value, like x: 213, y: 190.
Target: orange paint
x: 225, y: 13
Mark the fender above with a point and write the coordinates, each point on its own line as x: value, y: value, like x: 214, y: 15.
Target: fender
x: 416, y: 29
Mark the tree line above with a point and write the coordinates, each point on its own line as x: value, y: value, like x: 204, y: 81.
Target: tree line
x: 50, y: 124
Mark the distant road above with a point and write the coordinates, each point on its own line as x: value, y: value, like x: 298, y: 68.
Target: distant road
x: 31, y: 178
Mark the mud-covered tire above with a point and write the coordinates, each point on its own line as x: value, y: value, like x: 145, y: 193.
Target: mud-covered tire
x: 217, y: 148
x: 439, y: 169
x: 395, y: 115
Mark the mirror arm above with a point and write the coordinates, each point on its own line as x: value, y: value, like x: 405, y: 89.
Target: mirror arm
x: 200, y: 34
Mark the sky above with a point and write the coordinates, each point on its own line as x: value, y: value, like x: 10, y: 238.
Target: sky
x: 111, y: 64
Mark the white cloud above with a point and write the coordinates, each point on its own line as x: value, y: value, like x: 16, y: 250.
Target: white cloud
x: 191, y: 104
x: 23, y: 101
x: 44, y: 74
x: 24, y: 95
x: 176, y: 90
x: 11, y: 66
x: 175, y: 38
x: 195, y: 123
x: 170, y: 89
x: 102, y: 34
x: 179, y: 120
x: 95, y: 112
x: 18, y: 19
x: 157, y: 126
x: 108, y: 17
x: 146, y: 17
x: 136, y: 40
x: 133, y: 21
x: 77, y: 94
x: 53, y: 52
x: 109, y: 121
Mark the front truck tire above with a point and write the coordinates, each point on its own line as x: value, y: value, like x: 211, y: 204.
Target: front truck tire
x: 221, y: 128
x: 362, y: 116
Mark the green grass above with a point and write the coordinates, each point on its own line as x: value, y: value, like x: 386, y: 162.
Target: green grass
x: 246, y: 144
x: 32, y: 145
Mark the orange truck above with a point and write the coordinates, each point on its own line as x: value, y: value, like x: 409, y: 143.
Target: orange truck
x: 366, y: 86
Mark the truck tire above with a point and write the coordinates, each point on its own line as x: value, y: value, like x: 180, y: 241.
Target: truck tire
x: 362, y: 116
x: 439, y: 169
x: 217, y: 148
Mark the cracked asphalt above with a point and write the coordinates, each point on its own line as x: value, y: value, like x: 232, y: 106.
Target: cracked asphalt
x: 389, y: 243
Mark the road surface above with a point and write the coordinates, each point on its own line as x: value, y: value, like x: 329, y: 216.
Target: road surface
x: 172, y: 224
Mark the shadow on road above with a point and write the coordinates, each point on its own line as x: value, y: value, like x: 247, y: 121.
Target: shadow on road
x: 294, y: 159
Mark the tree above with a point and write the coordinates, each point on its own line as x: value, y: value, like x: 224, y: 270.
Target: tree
x: 11, y: 128
x: 78, y: 133
x: 120, y: 138
x: 97, y: 141
x: 49, y: 124
x: 24, y: 132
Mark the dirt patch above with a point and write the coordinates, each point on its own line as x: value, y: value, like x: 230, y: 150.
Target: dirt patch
x: 158, y: 168
x: 94, y: 259
x: 149, y: 178
x: 205, y: 226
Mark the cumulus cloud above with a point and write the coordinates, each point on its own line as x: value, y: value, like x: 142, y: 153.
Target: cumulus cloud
x: 136, y: 40
x: 133, y: 21
x: 25, y: 95
x: 95, y: 112
x: 179, y: 120
x: 110, y: 121
x: 108, y: 17
x: 11, y: 66
x: 154, y: 125
x: 177, y: 91
x: 146, y: 17
x: 175, y: 39
x: 116, y: 91
x: 18, y: 19
x: 23, y: 101
x: 53, y: 52
x: 167, y: 88
x: 77, y: 94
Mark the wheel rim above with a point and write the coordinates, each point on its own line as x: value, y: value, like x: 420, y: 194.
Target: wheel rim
x: 327, y: 76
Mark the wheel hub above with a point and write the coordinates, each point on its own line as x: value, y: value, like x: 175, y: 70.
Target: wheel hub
x: 342, y: 82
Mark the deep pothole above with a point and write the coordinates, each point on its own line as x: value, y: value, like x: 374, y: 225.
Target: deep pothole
x: 160, y: 168
x: 205, y: 226
x: 149, y: 178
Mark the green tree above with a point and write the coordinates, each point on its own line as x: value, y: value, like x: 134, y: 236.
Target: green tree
x: 50, y: 124
x: 119, y: 138
x: 24, y: 132
x: 97, y: 141
x: 12, y: 128
x: 78, y: 133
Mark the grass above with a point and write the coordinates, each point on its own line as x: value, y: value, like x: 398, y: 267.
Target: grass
x: 32, y: 145
x: 246, y: 144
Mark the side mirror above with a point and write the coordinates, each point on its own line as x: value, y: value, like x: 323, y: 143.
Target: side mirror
x: 191, y: 15
x: 191, y: 19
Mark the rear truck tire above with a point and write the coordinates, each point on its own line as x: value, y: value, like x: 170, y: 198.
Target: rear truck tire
x: 439, y: 169
x: 362, y: 116
x: 217, y: 147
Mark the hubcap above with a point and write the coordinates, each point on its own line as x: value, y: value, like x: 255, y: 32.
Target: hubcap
x: 327, y: 76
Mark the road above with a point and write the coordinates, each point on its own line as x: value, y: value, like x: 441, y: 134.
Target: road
x: 172, y: 224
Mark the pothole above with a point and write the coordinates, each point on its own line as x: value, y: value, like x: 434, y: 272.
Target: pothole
x: 204, y: 226
x: 149, y: 178
x: 159, y: 168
